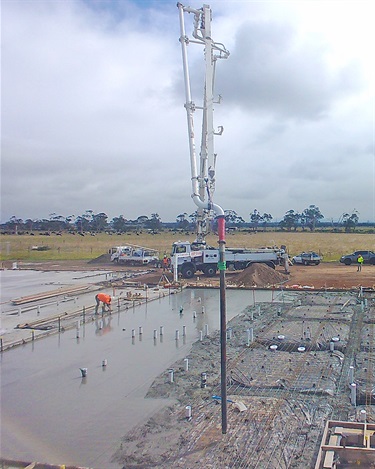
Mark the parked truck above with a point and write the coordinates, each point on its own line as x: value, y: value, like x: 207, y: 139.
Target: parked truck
x: 190, y: 258
x: 134, y: 255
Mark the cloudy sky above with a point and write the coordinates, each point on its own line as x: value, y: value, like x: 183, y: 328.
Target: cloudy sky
x: 93, y: 111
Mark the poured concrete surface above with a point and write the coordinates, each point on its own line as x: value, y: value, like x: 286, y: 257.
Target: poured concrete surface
x: 50, y: 413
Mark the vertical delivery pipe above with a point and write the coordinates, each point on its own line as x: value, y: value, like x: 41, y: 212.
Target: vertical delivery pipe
x: 223, y: 323
x: 206, y: 178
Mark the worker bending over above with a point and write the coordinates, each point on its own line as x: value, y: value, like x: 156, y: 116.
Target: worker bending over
x: 106, y: 302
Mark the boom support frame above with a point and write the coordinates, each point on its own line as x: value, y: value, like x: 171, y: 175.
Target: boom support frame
x: 203, y: 181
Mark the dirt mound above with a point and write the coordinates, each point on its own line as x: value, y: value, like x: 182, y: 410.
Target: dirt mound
x: 258, y: 275
x: 103, y: 259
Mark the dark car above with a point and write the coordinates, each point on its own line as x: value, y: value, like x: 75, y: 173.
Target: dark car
x: 368, y: 257
x: 307, y: 258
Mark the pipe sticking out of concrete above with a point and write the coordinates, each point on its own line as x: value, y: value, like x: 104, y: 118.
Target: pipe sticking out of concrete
x: 353, y: 394
x: 250, y: 336
x: 351, y: 374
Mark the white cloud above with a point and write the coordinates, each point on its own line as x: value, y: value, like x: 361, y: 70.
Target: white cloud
x: 93, y: 116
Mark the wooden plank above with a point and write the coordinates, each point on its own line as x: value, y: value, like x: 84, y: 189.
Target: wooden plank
x: 328, y: 460
x: 49, y: 294
x: 354, y: 449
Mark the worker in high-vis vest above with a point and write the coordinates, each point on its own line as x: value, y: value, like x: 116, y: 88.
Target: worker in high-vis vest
x: 360, y: 261
x: 105, y: 300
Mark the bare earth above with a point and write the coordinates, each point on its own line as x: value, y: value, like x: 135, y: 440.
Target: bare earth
x: 324, y: 276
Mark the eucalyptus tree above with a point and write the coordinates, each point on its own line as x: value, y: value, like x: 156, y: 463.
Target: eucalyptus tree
x: 290, y: 220
x: 350, y: 221
x: 255, y: 219
x: 119, y: 224
x: 232, y: 218
x: 266, y: 217
x: 182, y: 221
x: 312, y: 215
x: 154, y: 223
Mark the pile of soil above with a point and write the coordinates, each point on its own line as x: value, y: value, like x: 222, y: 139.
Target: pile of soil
x: 104, y: 258
x: 258, y: 275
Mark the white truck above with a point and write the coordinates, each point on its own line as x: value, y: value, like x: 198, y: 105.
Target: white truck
x: 134, y: 255
x: 190, y: 258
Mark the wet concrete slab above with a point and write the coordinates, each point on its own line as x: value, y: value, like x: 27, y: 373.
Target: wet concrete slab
x: 51, y: 414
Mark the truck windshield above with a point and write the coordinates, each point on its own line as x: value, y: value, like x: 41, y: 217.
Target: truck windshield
x: 178, y: 249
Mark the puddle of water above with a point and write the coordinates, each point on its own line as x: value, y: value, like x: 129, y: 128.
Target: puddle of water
x: 51, y: 414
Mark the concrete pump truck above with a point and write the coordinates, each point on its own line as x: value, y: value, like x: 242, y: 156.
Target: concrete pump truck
x: 189, y: 258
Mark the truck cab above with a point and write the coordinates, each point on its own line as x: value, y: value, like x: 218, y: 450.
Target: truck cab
x: 135, y: 255
x: 189, y: 258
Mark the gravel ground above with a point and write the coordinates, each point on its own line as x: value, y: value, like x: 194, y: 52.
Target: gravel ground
x: 331, y: 275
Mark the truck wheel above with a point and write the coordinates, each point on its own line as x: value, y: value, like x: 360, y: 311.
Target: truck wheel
x: 187, y: 271
x: 271, y: 264
x: 347, y: 261
x: 317, y: 262
x: 210, y: 271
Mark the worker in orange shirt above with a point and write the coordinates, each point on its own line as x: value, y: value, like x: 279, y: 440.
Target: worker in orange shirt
x: 105, y: 300
x: 166, y: 263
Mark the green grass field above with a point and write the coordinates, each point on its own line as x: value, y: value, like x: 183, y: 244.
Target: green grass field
x: 75, y: 247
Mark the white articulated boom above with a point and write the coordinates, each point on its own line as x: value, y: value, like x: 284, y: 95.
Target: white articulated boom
x: 203, y: 182
x: 189, y: 258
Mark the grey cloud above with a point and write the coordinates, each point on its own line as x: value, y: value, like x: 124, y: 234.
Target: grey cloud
x: 270, y: 72
x: 93, y: 115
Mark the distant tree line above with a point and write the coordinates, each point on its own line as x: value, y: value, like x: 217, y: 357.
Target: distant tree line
x: 89, y: 222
